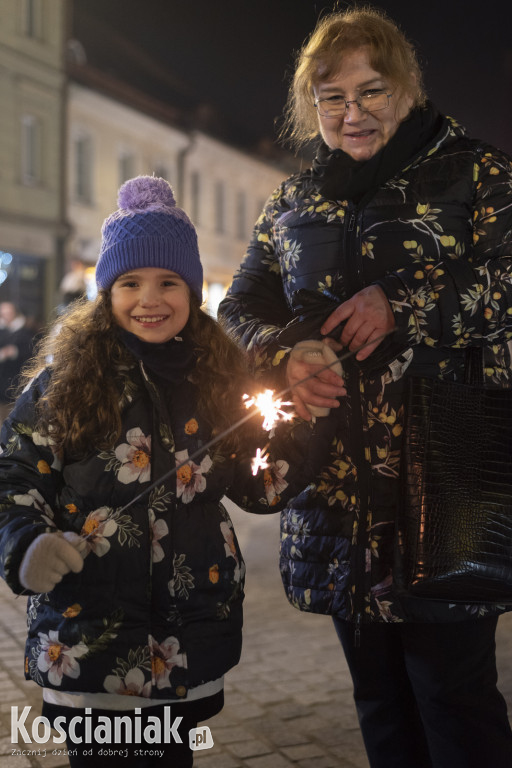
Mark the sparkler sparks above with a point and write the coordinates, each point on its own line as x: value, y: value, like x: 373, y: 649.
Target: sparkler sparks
x: 269, y: 407
x: 260, y: 460
x: 272, y: 411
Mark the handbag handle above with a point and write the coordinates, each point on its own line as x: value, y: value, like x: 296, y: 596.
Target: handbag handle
x: 474, y: 366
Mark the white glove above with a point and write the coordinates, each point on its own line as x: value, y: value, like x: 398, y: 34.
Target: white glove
x: 48, y: 559
x: 317, y: 353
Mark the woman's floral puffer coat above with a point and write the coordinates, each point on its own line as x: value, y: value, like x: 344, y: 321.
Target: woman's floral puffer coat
x: 437, y: 238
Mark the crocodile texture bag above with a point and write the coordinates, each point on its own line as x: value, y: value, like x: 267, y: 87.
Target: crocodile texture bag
x: 454, y: 529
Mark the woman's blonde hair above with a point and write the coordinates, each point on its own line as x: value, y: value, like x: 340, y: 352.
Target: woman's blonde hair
x: 80, y: 408
x: 391, y: 54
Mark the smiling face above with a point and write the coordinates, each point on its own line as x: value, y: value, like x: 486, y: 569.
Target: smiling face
x: 360, y: 134
x: 152, y: 303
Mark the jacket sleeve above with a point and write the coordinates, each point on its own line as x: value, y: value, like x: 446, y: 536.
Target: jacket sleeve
x: 462, y: 298
x: 29, y: 482
x: 255, y: 308
x: 297, y: 451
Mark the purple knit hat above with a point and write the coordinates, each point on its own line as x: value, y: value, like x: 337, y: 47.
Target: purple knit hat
x: 148, y: 230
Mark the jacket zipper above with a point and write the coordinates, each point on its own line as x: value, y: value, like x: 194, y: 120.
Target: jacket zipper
x: 352, y: 249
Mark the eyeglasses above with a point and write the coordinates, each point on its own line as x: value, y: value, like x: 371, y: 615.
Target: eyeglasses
x: 335, y: 106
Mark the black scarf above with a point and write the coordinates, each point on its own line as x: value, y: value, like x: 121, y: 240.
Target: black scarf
x: 172, y: 360
x: 338, y: 176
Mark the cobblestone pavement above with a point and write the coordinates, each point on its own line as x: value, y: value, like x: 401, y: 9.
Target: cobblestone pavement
x: 288, y: 703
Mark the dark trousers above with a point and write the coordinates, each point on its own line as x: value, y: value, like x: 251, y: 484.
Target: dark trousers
x: 426, y: 694
x: 125, y: 754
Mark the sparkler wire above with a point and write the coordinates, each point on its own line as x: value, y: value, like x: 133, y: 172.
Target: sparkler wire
x: 230, y: 429
x: 243, y: 420
x: 237, y: 424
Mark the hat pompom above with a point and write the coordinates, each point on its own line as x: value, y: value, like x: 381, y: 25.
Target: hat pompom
x: 146, y: 193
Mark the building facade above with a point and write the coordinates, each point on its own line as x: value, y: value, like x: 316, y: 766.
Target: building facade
x: 69, y: 136
x: 221, y: 188
x: 33, y: 228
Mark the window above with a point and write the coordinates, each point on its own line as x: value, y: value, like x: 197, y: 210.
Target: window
x: 241, y: 215
x: 126, y: 167
x: 83, y: 168
x: 195, y: 198
x: 219, y: 207
x: 31, y: 150
x: 32, y: 18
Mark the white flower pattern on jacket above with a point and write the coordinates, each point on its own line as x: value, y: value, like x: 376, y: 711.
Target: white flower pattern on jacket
x: 34, y: 499
x: 189, y: 476
x: 131, y: 685
x: 159, y: 529
x: 97, y: 526
x: 230, y: 549
x: 135, y: 457
x: 274, y: 480
x: 58, y: 659
x: 165, y: 656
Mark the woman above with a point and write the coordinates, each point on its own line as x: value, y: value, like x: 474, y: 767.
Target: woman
x: 134, y: 572
x: 395, y: 245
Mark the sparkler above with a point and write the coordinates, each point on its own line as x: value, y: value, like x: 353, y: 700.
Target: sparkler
x: 269, y: 406
x: 278, y: 403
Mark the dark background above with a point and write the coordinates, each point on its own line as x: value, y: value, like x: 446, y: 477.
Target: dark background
x: 231, y: 61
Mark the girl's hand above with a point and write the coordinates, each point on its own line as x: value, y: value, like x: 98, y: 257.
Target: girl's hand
x: 48, y: 559
x: 368, y: 315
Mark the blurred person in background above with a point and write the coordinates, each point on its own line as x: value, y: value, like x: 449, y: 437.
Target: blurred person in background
x: 16, y: 341
x: 73, y: 285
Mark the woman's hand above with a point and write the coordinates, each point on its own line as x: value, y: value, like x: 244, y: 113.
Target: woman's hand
x: 368, y: 315
x: 320, y: 389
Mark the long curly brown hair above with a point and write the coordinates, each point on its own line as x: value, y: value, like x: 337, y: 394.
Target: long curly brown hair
x: 80, y: 408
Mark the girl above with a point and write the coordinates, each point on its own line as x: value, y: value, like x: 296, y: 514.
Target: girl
x: 135, y: 603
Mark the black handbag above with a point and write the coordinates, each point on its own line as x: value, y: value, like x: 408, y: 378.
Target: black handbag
x: 454, y: 526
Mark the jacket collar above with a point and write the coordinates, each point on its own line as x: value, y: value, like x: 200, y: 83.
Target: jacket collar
x: 337, y: 176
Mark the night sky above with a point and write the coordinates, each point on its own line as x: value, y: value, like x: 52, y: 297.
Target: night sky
x: 237, y: 57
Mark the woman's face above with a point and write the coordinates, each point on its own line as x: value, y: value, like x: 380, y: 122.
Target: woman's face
x: 152, y: 303
x: 360, y: 134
